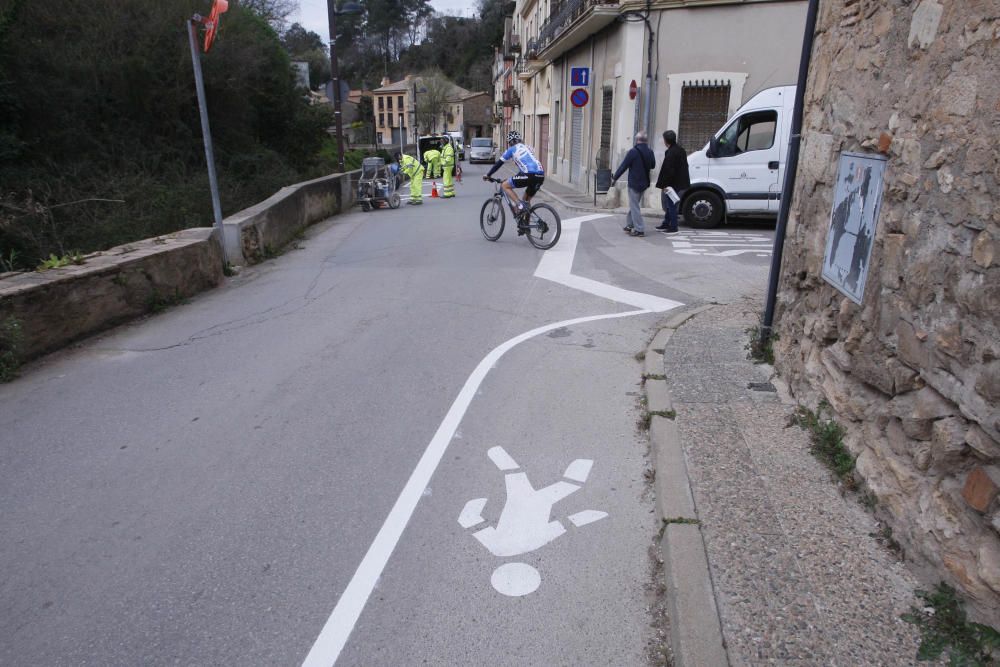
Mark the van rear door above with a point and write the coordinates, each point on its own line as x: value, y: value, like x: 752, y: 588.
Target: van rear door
x: 745, y: 161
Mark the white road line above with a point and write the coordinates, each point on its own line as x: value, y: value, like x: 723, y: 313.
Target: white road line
x: 557, y: 264
x: 333, y: 637
x: 701, y: 244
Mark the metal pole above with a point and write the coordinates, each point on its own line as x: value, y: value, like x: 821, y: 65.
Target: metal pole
x: 402, y: 132
x: 331, y: 10
x: 647, y: 92
x: 206, y: 132
x: 791, y: 166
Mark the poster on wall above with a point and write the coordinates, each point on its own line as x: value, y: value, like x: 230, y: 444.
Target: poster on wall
x: 856, y: 201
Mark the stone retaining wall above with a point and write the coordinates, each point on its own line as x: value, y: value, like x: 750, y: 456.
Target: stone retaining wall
x: 256, y: 232
x: 914, y: 372
x: 58, y: 306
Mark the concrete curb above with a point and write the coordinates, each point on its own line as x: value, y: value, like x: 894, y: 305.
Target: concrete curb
x: 695, y: 627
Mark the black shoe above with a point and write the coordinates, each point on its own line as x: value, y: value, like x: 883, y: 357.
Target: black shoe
x: 636, y: 232
x: 627, y: 229
x: 671, y: 232
x: 661, y: 228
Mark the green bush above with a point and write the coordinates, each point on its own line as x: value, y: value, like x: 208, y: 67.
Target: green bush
x: 827, y: 441
x: 943, y: 627
x: 100, y: 137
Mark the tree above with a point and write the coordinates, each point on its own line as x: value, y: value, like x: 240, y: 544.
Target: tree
x: 305, y: 45
x: 298, y: 40
x: 101, y: 140
x: 432, y: 101
x: 275, y: 12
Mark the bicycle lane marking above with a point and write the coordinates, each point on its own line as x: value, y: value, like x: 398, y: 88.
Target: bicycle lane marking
x: 338, y: 628
x: 556, y: 265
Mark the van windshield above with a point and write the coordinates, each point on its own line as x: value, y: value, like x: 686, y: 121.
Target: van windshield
x: 482, y: 143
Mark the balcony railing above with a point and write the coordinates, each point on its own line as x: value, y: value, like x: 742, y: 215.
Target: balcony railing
x: 511, y: 98
x: 564, y: 15
x: 531, y: 49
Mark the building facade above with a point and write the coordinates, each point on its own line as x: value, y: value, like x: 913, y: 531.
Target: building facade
x: 586, y: 75
x: 395, y: 115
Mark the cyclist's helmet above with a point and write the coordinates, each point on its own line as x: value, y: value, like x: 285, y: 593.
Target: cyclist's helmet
x: 513, y: 138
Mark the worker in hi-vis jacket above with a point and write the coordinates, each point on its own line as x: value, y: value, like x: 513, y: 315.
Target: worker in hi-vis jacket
x: 414, y: 170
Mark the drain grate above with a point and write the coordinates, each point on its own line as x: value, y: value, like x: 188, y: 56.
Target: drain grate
x: 761, y: 386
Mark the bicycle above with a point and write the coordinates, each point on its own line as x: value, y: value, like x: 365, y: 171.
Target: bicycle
x: 540, y: 223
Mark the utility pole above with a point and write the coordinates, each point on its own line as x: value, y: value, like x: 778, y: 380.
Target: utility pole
x: 332, y: 13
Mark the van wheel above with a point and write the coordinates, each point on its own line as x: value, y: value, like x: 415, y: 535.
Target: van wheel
x: 703, y: 209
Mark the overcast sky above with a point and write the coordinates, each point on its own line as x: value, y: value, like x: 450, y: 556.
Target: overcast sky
x: 312, y: 13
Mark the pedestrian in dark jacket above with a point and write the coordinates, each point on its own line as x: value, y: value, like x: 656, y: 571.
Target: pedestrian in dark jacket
x: 639, y: 161
x: 674, y: 179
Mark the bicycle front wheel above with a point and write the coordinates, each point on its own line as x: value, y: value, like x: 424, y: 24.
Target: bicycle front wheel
x: 544, y: 226
x: 492, y: 218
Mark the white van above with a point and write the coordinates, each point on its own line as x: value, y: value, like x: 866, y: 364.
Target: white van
x: 456, y: 138
x: 742, y: 169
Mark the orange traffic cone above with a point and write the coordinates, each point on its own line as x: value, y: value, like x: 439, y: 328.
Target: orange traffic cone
x: 434, y: 189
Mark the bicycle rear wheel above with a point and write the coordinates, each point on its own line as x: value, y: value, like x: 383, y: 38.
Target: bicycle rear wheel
x: 544, y: 226
x: 492, y: 218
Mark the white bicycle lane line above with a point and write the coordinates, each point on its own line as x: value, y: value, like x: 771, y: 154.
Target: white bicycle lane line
x: 556, y: 265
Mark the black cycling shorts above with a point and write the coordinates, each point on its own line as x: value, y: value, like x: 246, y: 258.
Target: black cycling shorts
x: 533, y: 182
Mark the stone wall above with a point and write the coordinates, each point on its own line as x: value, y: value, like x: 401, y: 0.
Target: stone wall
x: 58, y: 306
x: 256, y: 232
x: 914, y: 371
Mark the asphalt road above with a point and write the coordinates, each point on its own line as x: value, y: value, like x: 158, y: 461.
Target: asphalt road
x: 280, y: 471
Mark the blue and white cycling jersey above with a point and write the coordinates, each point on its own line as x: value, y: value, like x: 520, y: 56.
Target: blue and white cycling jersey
x: 525, y: 160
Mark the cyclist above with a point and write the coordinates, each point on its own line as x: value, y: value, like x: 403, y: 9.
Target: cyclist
x: 530, y: 175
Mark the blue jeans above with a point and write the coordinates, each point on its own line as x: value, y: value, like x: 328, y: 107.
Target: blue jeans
x: 670, y: 211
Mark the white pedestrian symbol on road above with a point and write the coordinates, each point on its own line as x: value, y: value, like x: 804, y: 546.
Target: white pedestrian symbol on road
x: 524, y: 523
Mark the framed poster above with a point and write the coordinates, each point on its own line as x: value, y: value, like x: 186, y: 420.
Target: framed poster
x: 857, y: 197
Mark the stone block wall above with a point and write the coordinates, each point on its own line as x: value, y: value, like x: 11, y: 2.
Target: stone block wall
x: 254, y: 233
x: 59, y: 306
x: 914, y: 371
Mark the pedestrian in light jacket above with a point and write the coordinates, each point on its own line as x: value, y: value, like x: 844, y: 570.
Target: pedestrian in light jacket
x: 673, y: 174
x: 638, y: 161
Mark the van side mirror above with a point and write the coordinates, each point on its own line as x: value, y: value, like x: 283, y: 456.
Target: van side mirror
x: 713, y: 147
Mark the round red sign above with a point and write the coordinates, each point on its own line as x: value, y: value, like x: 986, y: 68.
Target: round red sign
x: 633, y: 90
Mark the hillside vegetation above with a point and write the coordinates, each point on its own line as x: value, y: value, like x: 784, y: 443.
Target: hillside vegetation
x: 100, y: 139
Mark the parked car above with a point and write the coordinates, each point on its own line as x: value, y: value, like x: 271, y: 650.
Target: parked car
x: 741, y: 169
x: 482, y: 150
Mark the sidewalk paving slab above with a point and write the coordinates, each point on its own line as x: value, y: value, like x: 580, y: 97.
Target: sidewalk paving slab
x: 795, y: 571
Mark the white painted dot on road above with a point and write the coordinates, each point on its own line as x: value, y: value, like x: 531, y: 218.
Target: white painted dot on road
x: 516, y: 579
